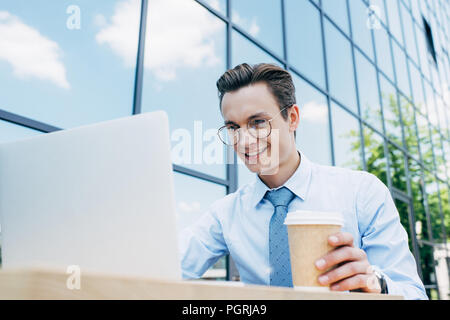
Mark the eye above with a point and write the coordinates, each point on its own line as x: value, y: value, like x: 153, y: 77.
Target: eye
x: 232, y: 127
x: 258, y: 123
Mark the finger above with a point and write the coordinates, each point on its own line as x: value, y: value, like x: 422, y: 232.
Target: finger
x: 341, y: 239
x: 360, y: 281
x: 345, y: 271
x: 339, y: 255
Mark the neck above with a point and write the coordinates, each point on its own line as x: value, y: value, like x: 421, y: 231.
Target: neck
x: 285, y: 171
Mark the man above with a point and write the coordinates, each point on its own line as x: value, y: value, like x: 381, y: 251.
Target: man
x: 261, y: 116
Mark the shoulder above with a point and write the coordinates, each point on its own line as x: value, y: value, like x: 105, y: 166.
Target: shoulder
x: 358, y: 178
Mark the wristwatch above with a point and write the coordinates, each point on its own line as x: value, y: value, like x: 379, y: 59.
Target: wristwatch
x: 381, y: 280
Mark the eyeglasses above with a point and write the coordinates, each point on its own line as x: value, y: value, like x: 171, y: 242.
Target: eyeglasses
x: 258, y: 128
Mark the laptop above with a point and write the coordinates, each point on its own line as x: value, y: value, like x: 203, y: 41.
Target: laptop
x: 98, y: 197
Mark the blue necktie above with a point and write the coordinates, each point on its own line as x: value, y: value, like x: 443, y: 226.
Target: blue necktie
x: 280, y: 262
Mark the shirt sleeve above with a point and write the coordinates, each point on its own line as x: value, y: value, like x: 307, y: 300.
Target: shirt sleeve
x: 385, y: 240
x: 201, y: 245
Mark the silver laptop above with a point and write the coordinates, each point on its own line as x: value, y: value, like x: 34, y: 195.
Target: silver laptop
x: 99, y: 197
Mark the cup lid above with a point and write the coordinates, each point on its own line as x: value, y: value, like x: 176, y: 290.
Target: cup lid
x: 314, y: 217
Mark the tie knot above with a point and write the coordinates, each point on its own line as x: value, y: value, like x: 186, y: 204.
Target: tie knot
x: 280, y: 197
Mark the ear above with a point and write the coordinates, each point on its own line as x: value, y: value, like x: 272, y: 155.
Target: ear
x: 294, y: 117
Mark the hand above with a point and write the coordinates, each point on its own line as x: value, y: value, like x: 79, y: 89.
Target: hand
x: 352, y: 271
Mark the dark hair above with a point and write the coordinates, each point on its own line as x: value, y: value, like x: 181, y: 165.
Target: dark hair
x: 278, y: 80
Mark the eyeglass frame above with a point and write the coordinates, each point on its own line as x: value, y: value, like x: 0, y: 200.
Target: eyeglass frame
x: 238, y: 132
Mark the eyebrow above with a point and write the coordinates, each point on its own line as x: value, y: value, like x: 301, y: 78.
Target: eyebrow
x: 249, y: 118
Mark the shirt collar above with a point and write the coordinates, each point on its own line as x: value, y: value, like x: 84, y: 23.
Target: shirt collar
x: 298, y: 183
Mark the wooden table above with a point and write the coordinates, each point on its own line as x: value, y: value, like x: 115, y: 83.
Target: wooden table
x: 47, y: 284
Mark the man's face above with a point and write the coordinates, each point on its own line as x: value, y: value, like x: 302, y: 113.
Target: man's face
x: 256, y: 102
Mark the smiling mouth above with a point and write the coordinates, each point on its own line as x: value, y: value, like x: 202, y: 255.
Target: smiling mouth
x: 254, y: 154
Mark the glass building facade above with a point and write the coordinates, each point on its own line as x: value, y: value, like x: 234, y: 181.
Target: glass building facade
x: 372, y: 83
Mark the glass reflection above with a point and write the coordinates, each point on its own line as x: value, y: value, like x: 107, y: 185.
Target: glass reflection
x: 346, y: 138
x: 409, y: 127
x: 394, y: 19
x: 432, y: 190
x: 313, y: 135
x: 404, y: 210
x: 219, y: 5
x: 77, y: 67
x: 383, y: 50
x: 183, y: 62
x: 368, y: 91
x: 340, y: 67
x: 337, y: 10
x: 438, y: 153
x: 418, y: 198
x: 245, y: 51
x: 424, y: 140
x: 396, y: 159
x: 262, y: 20
x: 361, y: 32
x: 401, y: 69
x: 390, y: 111
x: 408, y: 32
x: 305, y: 51
x: 374, y: 152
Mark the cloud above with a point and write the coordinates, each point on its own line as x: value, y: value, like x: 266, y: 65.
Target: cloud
x: 252, y: 27
x: 314, y: 112
x: 30, y: 54
x: 180, y: 34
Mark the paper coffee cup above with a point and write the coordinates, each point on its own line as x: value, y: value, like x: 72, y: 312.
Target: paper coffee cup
x: 308, y: 233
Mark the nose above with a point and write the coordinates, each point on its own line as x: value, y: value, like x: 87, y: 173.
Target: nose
x: 245, y: 139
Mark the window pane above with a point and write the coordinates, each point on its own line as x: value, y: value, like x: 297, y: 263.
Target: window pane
x: 262, y: 20
x: 305, y: 51
x: 379, y: 9
x: 416, y: 81
x: 430, y: 107
x: 183, y: 62
x: 77, y: 68
x: 409, y: 127
x: 368, y: 91
x: 438, y: 153
x: 11, y: 132
x: 346, y: 139
x: 313, y: 135
x: 424, y: 140
x: 375, y: 156
x: 193, y: 198
x: 337, y: 10
x: 418, y: 198
x: 394, y: 19
x: 384, y: 57
x: 245, y: 51
x: 391, y: 111
x: 444, y: 189
x: 340, y: 67
x: 423, y: 51
x: 432, y: 190
x: 397, y: 167
x: 403, y: 211
x: 409, y: 35
x: 400, y: 69
x: 427, y: 264
x: 361, y: 33
x: 219, y: 5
